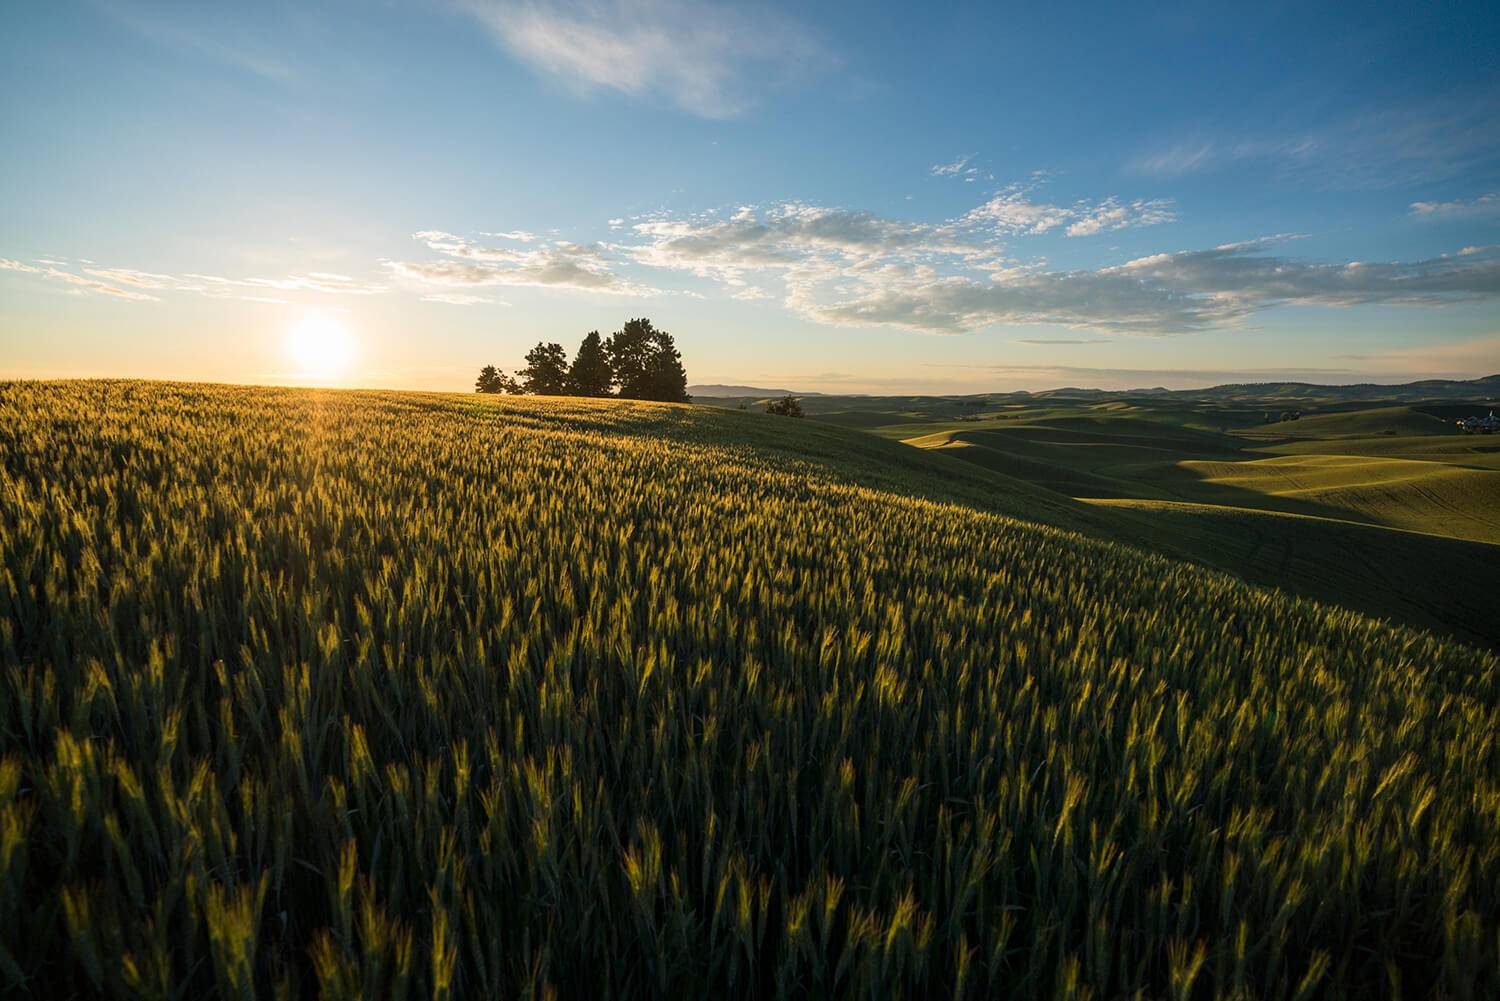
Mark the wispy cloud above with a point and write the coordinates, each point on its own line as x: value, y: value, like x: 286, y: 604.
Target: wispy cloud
x: 175, y: 31
x: 313, y: 281
x: 1183, y: 158
x: 460, y: 299
x: 710, y: 60
x: 1062, y: 340
x: 80, y: 283
x: 1483, y: 205
x: 559, y: 264
x: 129, y: 283
x: 1379, y: 148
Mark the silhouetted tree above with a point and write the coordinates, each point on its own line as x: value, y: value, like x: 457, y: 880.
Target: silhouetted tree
x: 590, y: 374
x: 787, y: 406
x: 666, y: 379
x: 646, y: 364
x: 490, y: 380
x: 629, y: 349
x: 546, y: 371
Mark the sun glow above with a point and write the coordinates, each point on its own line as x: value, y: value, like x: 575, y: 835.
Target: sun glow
x: 320, y: 347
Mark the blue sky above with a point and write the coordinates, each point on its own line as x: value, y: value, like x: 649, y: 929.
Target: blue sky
x: 842, y: 198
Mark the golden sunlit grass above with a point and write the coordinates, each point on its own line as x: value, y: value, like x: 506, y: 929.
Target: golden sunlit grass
x: 395, y: 695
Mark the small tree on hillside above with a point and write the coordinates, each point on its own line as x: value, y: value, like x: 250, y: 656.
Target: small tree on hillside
x: 489, y: 380
x: 787, y: 406
x: 590, y: 374
x: 546, y: 371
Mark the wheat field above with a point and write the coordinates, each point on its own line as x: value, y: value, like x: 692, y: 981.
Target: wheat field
x: 385, y: 695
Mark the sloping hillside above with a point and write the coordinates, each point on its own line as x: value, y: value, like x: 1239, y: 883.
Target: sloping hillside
x: 356, y: 694
x: 1419, y: 496
x: 1364, y: 423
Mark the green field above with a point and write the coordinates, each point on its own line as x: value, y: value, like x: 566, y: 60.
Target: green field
x: 1406, y: 509
x: 359, y: 694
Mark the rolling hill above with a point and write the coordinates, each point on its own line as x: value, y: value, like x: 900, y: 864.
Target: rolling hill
x: 358, y: 694
x: 1410, y: 494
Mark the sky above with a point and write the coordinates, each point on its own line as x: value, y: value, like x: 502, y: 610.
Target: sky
x: 875, y: 198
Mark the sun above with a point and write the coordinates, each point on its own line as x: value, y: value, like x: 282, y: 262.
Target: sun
x: 320, y: 347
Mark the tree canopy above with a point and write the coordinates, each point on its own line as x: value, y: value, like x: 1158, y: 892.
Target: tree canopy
x: 494, y: 380
x: 590, y: 374
x: 488, y: 381
x: 646, y: 363
x: 546, y: 371
x: 639, y: 361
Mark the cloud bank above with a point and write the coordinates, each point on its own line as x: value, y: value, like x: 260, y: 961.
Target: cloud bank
x: 854, y: 269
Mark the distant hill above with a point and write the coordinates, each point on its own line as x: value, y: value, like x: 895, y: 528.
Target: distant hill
x: 1485, y: 388
x: 1427, y: 389
x: 715, y: 390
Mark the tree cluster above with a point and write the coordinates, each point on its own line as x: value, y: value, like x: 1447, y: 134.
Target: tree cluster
x: 638, y: 362
x: 786, y: 406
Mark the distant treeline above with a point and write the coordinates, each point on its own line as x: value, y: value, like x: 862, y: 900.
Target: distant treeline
x: 638, y: 362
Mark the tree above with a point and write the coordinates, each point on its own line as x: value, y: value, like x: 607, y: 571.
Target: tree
x: 590, y: 374
x: 646, y: 364
x: 491, y: 380
x: 629, y: 349
x: 787, y: 406
x: 546, y: 371
x: 666, y: 379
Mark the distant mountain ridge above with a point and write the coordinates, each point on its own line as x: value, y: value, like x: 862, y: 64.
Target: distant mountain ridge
x: 717, y: 390
x: 1486, y: 387
x: 1425, y: 389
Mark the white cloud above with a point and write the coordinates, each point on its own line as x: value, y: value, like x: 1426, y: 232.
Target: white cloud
x: 465, y: 264
x: 1012, y: 211
x: 793, y: 237
x: 1483, y: 205
x: 705, y: 58
x: 958, y: 168
x: 1111, y: 214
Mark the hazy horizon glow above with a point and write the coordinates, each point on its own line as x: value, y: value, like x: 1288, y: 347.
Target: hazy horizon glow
x: 880, y: 200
